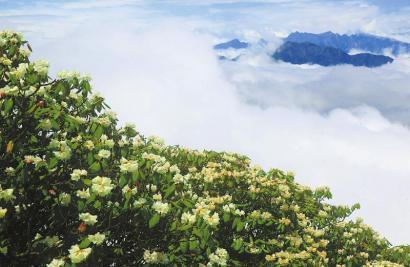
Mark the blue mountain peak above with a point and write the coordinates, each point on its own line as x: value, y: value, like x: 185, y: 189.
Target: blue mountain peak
x: 309, y: 53
x: 360, y: 41
x: 234, y: 43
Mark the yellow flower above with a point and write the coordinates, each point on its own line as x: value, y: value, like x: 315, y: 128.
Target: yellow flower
x: 104, y: 154
x: 56, y: 263
x: 2, y: 212
x: 161, y: 208
x: 77, y: 254
x: 285, y: 221
x: 96, y: 238
x: 270, y: 257
x: 85, y: 193
x: 6, y: 194
x: 88, y: 218
x: 9, y: 147
x: 102, y: 185
x: 212, y: 220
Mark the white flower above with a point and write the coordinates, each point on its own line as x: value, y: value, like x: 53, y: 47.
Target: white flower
x: 3, y: 212
x: 88, y: 218
x: 126, y: 189
x: 6, y: 194
x: 137, y: 142
x: 160, y: 207
x: 74, y: 95
x: 41, y: 66
x: 219, y: 257
x: 105, y: 154
x: 161, y: 168
x: 96, y: 238
x: 85, y: 193
x: 77, y: 173
x: 56, y: 263
x: 20, y: 71
x: 157, y: 197
x: 138, y: 203
x: 10, y: 171
x: 102, y: 185
x: 128, y: 165
x: 11, y: 90
x: 178, y: 178
x: 64, y: 198
x: 68, y: 75
x: 24, y: 51
x: 188, y: 218
x: 104, y: 121
x: 77, y: 254
x: 111, y: 114
x: 212, y: 220
x: 32, y: 159
x: 64, y: 153
x: 155, y: 257
x: 151, y: 187
x: 322, y: 214
x: 174, y: 169
x: 156, y: 142
x: 89, y: 144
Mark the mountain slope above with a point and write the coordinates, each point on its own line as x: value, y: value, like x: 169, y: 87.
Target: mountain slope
x: 234, y: 43
x: 361, y: 41
x: 308, y: 53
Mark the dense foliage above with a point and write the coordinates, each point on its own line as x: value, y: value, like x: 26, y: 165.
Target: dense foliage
x: 77, y: 189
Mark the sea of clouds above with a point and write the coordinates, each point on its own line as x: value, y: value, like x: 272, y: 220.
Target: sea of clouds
x: 343, y: 127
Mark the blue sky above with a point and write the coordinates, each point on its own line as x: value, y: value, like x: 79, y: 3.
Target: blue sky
x: 153, y: 60
x: 279, y: 14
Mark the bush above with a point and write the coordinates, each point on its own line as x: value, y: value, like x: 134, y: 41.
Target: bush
x: 77, y: 189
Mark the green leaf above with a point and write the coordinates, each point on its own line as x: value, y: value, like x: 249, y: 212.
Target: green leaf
x: 97, y: 205
x: 134, y: 176
x: 183, y: 245
x: 80, y: 205
x: 8, y: 105
x: 187, y: 203
x: 237, y: 244
x: 90, y: 158
x: 123, y: 180
x: 226, y: 217
x: 170, y: 190
x: 173, y: 226
x: 193, y: 244
x: 235, y: 222
x: 154, y: 220
x: 185, y: 227
x: 98, y: 132
x: 95, y: 167
x: 85, y: 243
x: 53, y: 163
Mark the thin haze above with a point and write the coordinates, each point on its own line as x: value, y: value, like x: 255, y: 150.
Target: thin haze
x: 344, y: 127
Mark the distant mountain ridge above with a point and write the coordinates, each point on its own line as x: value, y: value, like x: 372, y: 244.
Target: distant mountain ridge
x: 234, y: 43
x: 309, y: 53
x: 360, y: 41
x: 325, y: 49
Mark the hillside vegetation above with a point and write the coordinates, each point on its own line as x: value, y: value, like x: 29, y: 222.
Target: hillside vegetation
x: 79, y: 190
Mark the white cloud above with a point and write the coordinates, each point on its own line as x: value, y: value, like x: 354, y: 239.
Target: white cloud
x: 263, y: 82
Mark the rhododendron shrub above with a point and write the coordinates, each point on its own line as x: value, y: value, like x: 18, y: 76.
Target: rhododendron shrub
x: 78, y: 189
